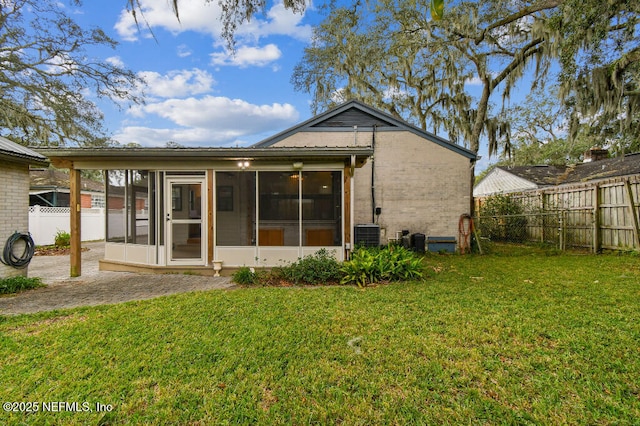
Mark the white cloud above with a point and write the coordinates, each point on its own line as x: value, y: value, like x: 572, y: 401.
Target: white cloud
x: 474, y: 81
x: 177, y: 83
x: 199, y: 16
x: 155, y: 137
x: 218, y: 113
x: 184, y: 51
x: 116, y: 61
x: 248, y: 56
x: 204, y: 17
x: 209, y: 121
x: 280, y: 21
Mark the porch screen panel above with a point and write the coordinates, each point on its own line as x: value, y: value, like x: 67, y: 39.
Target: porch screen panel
x: 141, y: 223
x: 116, y: 211
x: 279, y: 207
x: 322, y: 208
x: 235, y: 201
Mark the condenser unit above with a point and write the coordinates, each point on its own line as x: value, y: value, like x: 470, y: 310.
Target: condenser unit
x: 367, y: 235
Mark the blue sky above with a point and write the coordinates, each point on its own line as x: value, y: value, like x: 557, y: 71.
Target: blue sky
x: 198, y: 94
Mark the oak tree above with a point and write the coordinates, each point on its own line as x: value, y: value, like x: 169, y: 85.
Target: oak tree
x: 48, y: 78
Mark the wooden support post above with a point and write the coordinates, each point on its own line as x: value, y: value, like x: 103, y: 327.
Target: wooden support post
x: 75, y: 207
x: 634, y: 214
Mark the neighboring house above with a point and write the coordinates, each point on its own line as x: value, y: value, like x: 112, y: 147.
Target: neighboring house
x: 50, y: 188
x: 291, y: 195
x: 504, y: 180
x: 14, y: 195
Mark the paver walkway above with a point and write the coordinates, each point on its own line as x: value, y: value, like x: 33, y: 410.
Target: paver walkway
x: 95, y: 287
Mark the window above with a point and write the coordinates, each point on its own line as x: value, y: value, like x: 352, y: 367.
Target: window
x: 235, y: 208
x: 97, y: 201
x: 279, y: 208
x: 289, y: 203
x: 116, y: 216
x: 322, y: 208
x: 130, y: 209
x: 141, y: 207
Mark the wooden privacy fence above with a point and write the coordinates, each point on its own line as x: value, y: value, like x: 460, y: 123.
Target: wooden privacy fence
x: 595, y: 215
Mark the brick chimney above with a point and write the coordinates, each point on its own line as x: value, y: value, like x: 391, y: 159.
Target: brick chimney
x: 595, y: 154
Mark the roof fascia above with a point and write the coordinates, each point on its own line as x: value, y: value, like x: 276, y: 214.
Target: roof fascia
x: 102, y: 157
x: 307, y: 126
x: 23, y: 159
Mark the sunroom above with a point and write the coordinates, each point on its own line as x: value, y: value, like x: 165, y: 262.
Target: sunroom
x: 182, y: 208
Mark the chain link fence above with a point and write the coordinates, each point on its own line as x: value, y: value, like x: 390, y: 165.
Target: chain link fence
x: 566, y: 229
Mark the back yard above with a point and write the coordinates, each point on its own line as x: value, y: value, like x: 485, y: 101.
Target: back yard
x: 519, y: 338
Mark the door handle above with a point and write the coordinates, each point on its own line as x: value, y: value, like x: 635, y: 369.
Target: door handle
x: 168, y: 217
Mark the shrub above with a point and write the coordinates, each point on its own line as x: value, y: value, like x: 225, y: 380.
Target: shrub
x: 502, y: 220
x: 19, y: 283
x: 370, y: 265
x: 318, y: 268
x: 244, y: 275
x: 63, y: 239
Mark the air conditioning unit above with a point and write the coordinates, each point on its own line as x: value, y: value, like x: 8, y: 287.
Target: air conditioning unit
x: 367, y: 235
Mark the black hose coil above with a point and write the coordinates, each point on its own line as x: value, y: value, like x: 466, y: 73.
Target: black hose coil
x: 8, y: 256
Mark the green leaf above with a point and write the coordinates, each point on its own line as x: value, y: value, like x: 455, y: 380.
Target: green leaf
x: 437, y: 9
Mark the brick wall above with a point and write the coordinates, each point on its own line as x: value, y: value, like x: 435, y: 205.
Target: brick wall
x: 419, y: 185
x: 14, y: 207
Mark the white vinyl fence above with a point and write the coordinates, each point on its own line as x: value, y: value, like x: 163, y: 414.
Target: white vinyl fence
x: 45, y: 222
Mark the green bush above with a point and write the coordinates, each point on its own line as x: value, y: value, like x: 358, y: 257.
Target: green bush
x: 371, y: 265
x: 63, y: 239
x: 243, y: 276
x: 318, y: 268
x: 19, y: 283
x: 501, y: 219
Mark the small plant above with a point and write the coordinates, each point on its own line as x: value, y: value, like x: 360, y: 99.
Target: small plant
x: 244, y: 276
x: 370, y: 265
x: 318, y: 268
x: 19, y: 283
x: 62, y: 239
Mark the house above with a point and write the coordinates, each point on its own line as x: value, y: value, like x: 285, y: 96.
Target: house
x: 14, y: 196
x: 302, y: 190
x: 50, y: 188
x: 596, y: 166
x: 415, y: 180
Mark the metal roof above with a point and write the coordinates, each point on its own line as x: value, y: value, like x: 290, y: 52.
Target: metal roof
x: 99, y: 157
x: 13, y: 152
x: 390, y: 122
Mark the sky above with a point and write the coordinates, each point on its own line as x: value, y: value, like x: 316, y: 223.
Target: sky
x: 198, y: 93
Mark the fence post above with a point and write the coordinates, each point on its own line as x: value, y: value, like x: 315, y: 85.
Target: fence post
x: 597, y: 232
x: 35, y: 222
x: 634, y: 214
x: 561, y: 227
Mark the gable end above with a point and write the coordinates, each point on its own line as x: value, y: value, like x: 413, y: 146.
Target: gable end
x: 353, y: 117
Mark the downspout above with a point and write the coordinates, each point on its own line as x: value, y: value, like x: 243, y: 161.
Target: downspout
x: 352, y: 201
x: 373, y: 175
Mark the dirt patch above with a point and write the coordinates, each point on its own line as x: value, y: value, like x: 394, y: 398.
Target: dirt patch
x: 54, y: 251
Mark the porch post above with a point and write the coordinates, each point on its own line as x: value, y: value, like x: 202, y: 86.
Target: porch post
x: 75, y: 207
x: 209, y: 216
x: 346, y: 199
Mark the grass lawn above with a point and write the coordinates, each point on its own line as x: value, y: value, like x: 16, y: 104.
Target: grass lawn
x: 494, y: 339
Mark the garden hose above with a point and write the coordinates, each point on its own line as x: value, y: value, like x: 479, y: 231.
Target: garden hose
x: 8, y: 256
